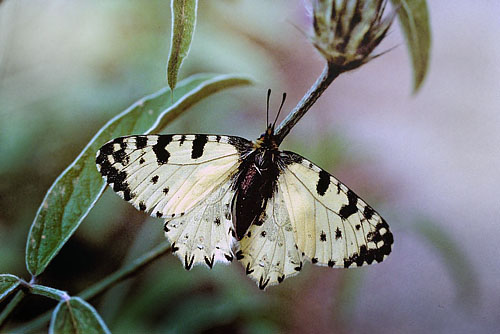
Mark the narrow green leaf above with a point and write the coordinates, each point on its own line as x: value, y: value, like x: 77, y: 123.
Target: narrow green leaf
x: 75, y: 315
x: 8, y: 283
x: 76, y: 190
x: 454, y: 259
x: 183, y: 25
x: 414, y: 18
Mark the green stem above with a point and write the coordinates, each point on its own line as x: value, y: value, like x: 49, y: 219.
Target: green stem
x: 126, y: 271
x: 103, y: 285
x: 329, y: 74
x: 10, y: 307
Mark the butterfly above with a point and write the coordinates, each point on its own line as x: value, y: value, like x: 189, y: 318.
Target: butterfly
x: 226, y: 197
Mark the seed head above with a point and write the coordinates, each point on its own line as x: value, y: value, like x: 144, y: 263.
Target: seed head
x: 347, y: 31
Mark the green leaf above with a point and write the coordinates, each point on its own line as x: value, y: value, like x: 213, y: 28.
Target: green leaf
x: 414, y: 18
x: 183, y: 24
x: 75, y: 315
x: 76, y: 190
x: 49, y: 292
x: 8, y: 284
x: 454, y: 259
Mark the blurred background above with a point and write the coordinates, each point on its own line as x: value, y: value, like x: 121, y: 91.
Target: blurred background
x: 428, y: 162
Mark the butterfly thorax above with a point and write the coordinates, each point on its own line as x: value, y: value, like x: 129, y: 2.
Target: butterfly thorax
x: 255, y: 183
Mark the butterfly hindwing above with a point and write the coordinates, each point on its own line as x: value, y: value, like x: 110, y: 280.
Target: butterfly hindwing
x: 268, y: 250
x: 206, y: 233
x: 332, y: 225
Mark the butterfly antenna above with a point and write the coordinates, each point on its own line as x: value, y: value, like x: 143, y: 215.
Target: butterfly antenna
x: 267, y: 109
x: 279, y: 111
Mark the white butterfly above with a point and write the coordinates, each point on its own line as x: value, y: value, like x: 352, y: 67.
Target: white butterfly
x: 225, y: 197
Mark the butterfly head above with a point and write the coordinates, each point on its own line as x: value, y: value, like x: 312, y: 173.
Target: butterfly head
x: 267, y: 140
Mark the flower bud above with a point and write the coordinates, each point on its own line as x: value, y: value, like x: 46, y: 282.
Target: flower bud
x: 347, y: 31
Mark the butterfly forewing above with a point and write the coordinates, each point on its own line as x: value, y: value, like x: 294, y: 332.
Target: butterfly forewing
x: 332, y: 225
x: 167, y: 175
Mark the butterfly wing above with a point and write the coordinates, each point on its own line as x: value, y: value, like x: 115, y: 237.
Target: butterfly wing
x: 183, y: 178
x: 311, y: 216
x: 268, y: 250
x: 332, y: 225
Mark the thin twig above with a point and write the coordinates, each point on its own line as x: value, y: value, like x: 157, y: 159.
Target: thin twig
x: 10, y: 307
x: 103, y: 285
x: 324, y: 80
x: 125, y: 272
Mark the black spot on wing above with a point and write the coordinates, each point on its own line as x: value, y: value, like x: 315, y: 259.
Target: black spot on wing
x: 381, y: 234
x: 322, y: 236
x: 141, y: 161
x: 209, y: 262
x: 188, y: 263
x: 174, y: 247
x: 239, y: 255
x: 120, y: 155
x: 165, y: 190
x: 263, y: 283
x: 128, y: 195
x: 198, y: 146
x: 154, y: 179
x: 299, y: 267
x: 142, y: 206
x: 141, y: 141
x: 182, y: 140
x: 349, y: 209
x: 323, y: 183
x: 105, y: 150
x: 368, y: 212
x: 160, y: 149
x: 248, y: 271
x: 338, y: 234
x: 331, y: 263
x: 113, y: 176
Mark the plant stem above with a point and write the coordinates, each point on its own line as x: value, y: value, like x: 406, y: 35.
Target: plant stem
x: 126, y: 271
x: 10, y: 307
x: 329, y: 74
x: 103, y: 285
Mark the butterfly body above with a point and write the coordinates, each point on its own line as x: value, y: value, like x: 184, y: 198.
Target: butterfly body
x: 255, y: 182
x: 224, y: 197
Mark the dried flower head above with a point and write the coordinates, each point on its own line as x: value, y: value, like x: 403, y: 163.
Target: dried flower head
x: 347, y: 31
